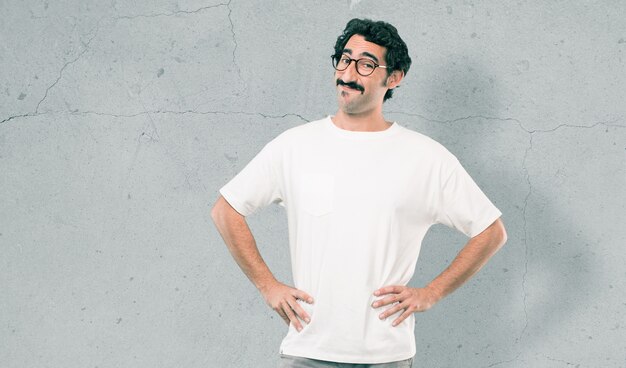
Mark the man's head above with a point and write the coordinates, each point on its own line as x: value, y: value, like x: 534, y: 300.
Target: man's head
x: 395, y: 53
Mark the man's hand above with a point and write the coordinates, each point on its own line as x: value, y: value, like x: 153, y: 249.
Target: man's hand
x: 409, y: 299
x: 469, y: 260
x: 282, y: 298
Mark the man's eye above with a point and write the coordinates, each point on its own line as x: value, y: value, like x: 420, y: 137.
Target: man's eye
x: 345, y: 60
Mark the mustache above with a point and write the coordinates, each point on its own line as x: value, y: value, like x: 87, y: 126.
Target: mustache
x: 352, y: 85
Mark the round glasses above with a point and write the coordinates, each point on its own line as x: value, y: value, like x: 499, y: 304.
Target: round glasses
x: 364, y: 66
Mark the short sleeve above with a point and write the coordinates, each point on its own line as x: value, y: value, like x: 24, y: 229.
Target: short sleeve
x: 257, y: 184
x: 463, y: 205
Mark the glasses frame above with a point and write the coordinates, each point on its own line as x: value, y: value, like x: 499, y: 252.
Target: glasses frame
x: 356, y: 61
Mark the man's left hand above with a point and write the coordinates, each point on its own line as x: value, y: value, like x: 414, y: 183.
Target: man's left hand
x: 408, y: 299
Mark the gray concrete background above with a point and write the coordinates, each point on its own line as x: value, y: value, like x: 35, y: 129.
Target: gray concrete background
x: 121, y: 120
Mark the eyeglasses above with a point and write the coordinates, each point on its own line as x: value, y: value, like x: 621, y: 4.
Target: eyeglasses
x: 364, y: 66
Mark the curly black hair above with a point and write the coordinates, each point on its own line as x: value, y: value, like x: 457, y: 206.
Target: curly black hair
x: 380, y: 33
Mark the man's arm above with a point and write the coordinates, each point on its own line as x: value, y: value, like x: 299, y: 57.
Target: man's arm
x: 470, y: 260
x: 235, y: 232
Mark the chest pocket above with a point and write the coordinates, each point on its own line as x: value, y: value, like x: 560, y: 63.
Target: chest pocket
x: 317, y: 193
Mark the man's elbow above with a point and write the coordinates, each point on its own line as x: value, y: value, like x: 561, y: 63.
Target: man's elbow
x: 222, y: 210
x: 499, y: 234
x: 217, y: 212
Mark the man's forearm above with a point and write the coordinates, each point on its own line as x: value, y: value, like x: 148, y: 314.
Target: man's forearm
x: 470, y: 260
x: 242, y: 246
x: 282, y: 298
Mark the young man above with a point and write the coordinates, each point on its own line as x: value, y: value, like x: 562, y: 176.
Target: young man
x: 360, y: 194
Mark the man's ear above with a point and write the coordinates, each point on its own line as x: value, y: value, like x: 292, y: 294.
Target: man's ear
x: 394, y: 79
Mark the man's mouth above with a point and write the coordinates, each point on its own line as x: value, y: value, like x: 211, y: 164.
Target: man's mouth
x: 348, y: 89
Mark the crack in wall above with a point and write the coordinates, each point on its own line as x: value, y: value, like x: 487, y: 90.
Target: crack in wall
x: 97, y: 28
x: 501, y: 362
x: 18, y: 116
x: 562, y: 361
x: 521, y: 125
x: 264, y: 115
x: 232, y: 31
x: 530, y: 190
x: 531, y: 133
x: 605, y: 123
x: 153, y: 15
x: 77, y: 112
x: 469, y: 117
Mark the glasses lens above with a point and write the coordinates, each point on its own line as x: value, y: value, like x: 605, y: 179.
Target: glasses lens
x: 365, y: 67
x: 341, y: 62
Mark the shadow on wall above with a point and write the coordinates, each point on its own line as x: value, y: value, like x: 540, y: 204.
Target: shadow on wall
x: 545, y: 271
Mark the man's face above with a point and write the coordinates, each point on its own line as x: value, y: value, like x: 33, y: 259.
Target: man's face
x: 373, y: 87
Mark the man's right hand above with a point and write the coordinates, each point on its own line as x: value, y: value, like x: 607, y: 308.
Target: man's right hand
x: 282, y: 298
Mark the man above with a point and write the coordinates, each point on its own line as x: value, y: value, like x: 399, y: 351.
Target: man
x: 360, y: 194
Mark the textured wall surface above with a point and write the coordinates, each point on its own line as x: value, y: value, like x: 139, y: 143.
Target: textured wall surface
x: 119, y: 122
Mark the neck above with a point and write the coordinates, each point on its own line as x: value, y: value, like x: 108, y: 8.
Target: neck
x: 371, y: 121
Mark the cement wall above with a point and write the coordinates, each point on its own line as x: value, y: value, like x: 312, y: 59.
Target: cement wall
x: 121, y: 120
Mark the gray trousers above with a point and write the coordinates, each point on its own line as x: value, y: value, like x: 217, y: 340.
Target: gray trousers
x: 289, y: 361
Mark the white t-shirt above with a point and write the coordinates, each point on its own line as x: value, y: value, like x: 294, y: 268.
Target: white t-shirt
x: 358, y: 205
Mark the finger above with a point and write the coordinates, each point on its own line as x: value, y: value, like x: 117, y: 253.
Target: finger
x: 388, y: 300
x: 388, y: 290
x: 393, y: 310
x: 291, y: 316
x: 402, y: 317
x: 303, y: 296
x: 299, y: 311
x: 282, y: 315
